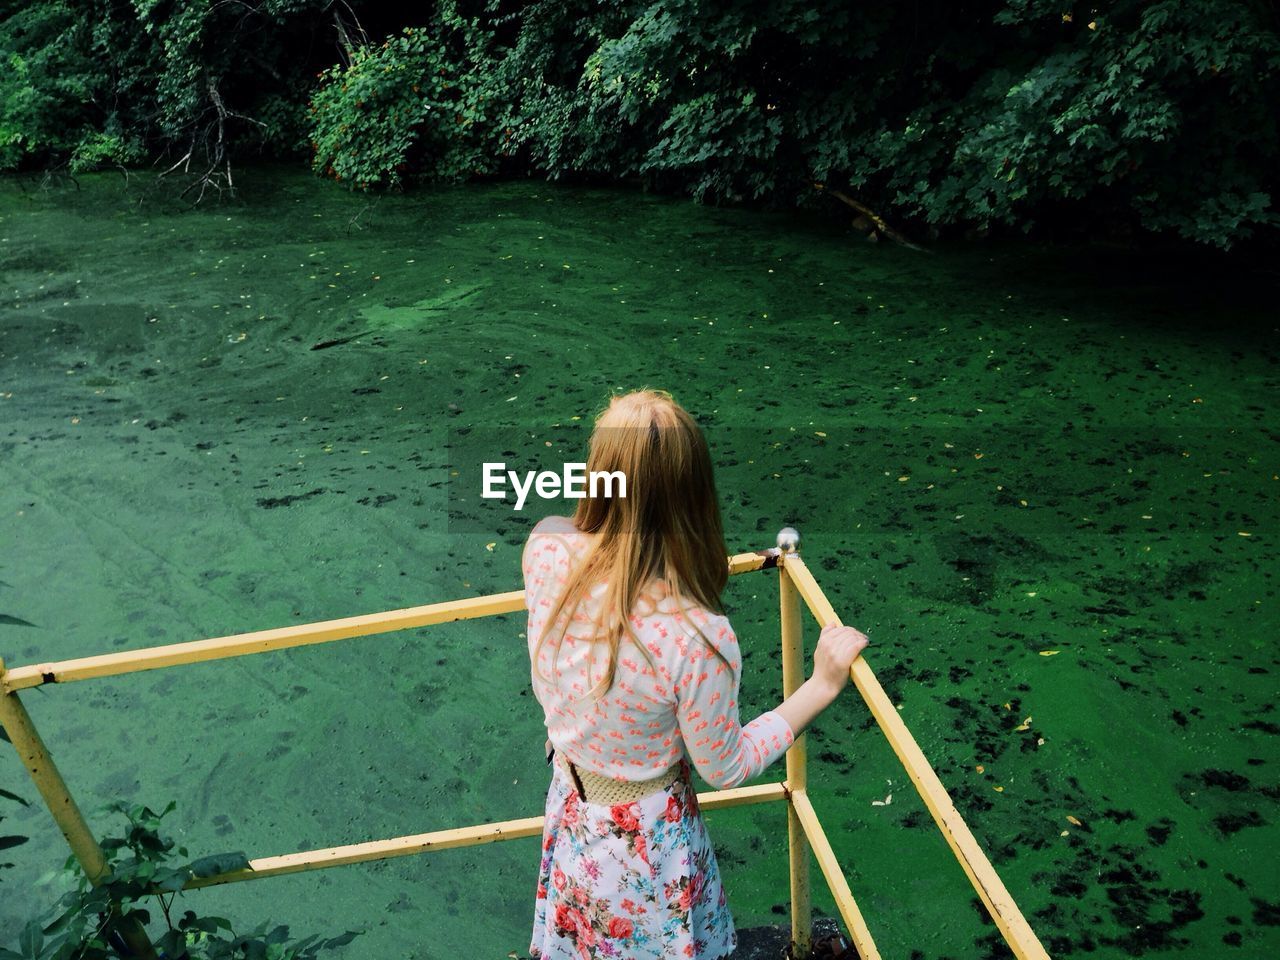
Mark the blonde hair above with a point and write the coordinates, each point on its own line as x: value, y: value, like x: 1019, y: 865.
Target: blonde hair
x: 668, y: 525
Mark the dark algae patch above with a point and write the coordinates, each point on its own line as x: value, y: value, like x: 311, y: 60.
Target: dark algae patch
x: 1044, y: 482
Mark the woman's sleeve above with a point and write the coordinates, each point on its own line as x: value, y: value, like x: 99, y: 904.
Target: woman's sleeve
x: 533, y: 563
x: 545, y: 560
x: 724, y: 752
x: 550, y: 554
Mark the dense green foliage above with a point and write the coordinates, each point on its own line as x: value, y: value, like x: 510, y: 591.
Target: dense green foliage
x: 142, y: 860
x: 413, y: 102
x: 95, y: 82
x: 45, y: 91
x: 1130, y: 113
x: 1156, y: 113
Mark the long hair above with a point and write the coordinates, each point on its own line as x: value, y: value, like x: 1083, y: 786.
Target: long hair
x: 667, y: 527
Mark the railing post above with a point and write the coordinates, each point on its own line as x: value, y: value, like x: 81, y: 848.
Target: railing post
x: 35, y: 757
x: 797, y: 771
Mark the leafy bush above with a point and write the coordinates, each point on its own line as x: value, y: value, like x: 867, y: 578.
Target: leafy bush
x: 106, y: 82
x: 416, y: 101
x: 141, y: 861
x: 47, y: 75
x: 1161, y: 114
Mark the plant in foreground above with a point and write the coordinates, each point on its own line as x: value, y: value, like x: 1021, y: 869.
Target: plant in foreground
x: 142, y: 866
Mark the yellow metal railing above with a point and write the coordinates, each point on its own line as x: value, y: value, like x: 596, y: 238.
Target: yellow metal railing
x: 804, y: 831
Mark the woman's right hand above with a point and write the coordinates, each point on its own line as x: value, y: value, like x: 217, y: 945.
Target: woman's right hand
x: 838, y: 646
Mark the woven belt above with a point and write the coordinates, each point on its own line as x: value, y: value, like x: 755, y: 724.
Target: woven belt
x: 597, y: 788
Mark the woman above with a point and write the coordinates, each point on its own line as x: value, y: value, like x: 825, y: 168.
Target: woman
x: 637, y: 670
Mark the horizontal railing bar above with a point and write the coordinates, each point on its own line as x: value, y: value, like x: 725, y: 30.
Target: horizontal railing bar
x: 298, y: 635
x: 747, y: 562
x: 836, y: 881
x: 448, y: 839
x: 1000, y: 904
x: 261, y: 641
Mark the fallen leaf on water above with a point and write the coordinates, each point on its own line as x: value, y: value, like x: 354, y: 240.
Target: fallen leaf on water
x: 1007, y: 707
x: 818, y: 433
x: 1074, y: 820
x: 1049, y: 653
x: 981, y: 769
x: 999, y: 789
x: 1025, y: 725
x: 490, y: 546
x: 1065, y: 833
x: 1245, y: 533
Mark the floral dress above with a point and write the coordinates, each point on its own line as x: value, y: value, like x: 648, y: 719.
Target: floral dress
x: 638, y: 880
x: 635, y: 880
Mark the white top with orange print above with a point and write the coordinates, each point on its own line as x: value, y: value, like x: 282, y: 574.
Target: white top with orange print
x: 641, y: 726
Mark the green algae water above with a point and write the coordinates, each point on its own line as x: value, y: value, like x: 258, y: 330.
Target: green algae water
x: 1043, y: 482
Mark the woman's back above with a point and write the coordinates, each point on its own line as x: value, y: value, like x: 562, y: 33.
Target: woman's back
x: 681, y: 697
